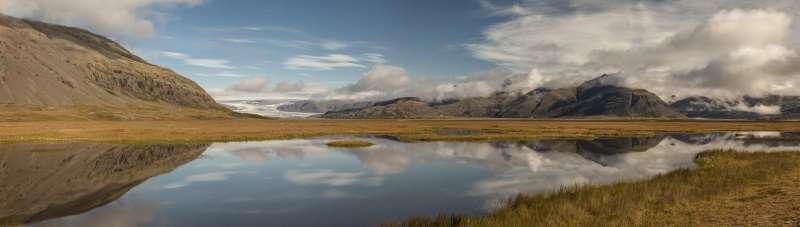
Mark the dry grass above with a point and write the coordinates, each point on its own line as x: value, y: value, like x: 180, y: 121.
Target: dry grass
x: 729, y: 188
x: 408, y: 130
x: 139, y: 112
x: 350, y: 143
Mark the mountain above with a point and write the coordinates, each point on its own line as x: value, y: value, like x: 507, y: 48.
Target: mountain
x: 486, y: 107
x: 401, y: 108
x: 59, y: 70
x: 309, y: 106
x: 594, y: 98
x: 704, y: 107
x: 772, y: 107
x: 789, y: 105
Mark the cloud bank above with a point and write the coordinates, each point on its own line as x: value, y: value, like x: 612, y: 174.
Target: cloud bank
x: 383, y: 82
x: 723, y: 49
x: 719, y: 48
x: 118, y: 18
x: 322, y: 63
x: 253, y: 85
x: 199, y: 62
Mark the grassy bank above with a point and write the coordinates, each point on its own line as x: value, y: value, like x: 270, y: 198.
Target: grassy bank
x: 195, y: 131
x: 761, y: 189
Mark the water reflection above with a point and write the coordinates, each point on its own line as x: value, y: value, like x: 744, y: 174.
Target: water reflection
x: 306, y: 183
x: 41, y: 182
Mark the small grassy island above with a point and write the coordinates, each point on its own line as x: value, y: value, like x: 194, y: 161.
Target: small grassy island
x: 350, y: 143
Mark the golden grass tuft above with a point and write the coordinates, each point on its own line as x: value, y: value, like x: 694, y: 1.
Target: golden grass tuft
x: 350, y: 143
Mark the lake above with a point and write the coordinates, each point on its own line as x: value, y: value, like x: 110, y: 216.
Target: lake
x: 305, y: 183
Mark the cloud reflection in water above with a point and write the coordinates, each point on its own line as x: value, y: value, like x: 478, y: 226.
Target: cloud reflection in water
x: 516, y: 167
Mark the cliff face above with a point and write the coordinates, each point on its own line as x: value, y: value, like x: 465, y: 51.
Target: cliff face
x: 51, y: 66
x: 48, y: 181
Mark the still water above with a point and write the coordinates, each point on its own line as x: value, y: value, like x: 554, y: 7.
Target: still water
x: 306, y: 183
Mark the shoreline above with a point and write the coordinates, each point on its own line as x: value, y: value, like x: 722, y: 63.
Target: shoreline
x: 727, y: 188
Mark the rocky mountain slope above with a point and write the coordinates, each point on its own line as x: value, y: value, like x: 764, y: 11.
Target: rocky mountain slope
x: 309, y: 106
x: 52, y: 67
x: 401, y: 108
x: 594, y: 98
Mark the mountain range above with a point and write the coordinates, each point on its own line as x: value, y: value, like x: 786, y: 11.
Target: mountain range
x: 58, y: 72
x: 594, y: 98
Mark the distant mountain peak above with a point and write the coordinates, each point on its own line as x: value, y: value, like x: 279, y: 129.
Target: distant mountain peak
x: 602, y: 81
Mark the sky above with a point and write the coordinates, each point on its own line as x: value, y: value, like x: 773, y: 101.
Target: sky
x: 379, y: 49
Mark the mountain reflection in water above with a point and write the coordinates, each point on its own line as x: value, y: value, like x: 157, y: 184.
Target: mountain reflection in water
x: 42, y: 182
x: 306, y: 183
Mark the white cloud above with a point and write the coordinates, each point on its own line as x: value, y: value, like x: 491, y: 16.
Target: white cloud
x: 289, y: 87
x: 238, y: 41
x: 323, y: 177
x: 230, y: 74
x: 122, y: 19
x: 206, y: 177
x: 209, y: 63
x: 380, y: 82
x: 322, y: 63
x: 200, y: 62
x: 719, y: 48
x: 386, y: 82
x: 333, y: 45
x: 222, y: 74
x: 175, y: 55
x: 253, y: 28
x: 296, y: 44
x: 375, y: 58
x: 760, y: 109
x: 253, y: 85
x: 495, y: 10
x: 271, y: 29
x: 381, y: 78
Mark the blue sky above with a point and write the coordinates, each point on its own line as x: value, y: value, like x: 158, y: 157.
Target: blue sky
x: 441, y: 49
x: 258, y: 37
